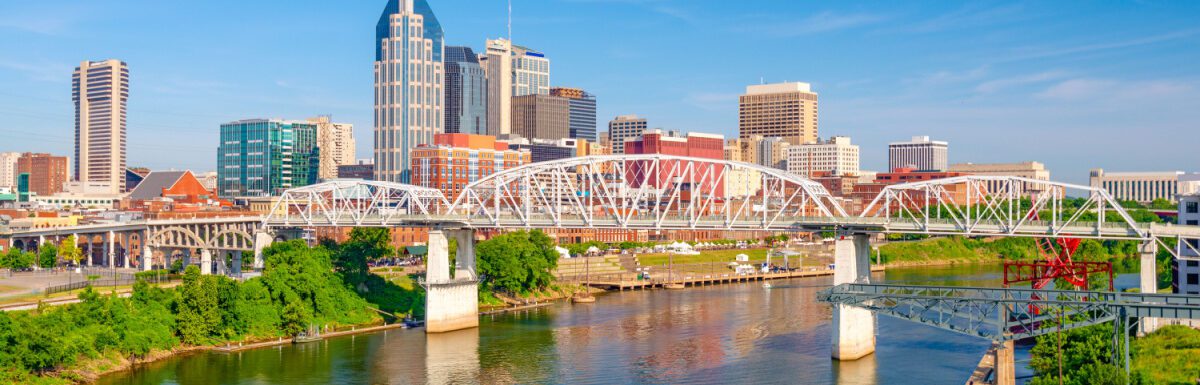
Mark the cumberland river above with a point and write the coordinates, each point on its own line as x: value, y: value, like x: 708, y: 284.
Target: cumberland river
x: 725, y: 334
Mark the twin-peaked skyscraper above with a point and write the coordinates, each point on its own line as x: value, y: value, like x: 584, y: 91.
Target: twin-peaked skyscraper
x: 409, y: 80
x: 423, y: 89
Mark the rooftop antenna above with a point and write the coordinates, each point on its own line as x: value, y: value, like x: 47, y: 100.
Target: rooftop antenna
x: 510, y: 20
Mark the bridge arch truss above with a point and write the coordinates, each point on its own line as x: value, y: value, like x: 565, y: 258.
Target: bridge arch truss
x: 978, y: 205
x: 650, y: 191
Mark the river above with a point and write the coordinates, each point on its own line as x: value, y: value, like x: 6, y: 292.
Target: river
x: 723, y: 334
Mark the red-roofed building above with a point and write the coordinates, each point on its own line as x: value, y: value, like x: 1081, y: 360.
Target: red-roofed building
x: 173, y: 191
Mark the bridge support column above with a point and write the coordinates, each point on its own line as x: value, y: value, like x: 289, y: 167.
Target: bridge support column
x: 205, y: 262
x: 853, y: 328
x: 464, y: 257
x: 1005, y: 366
x: 111, y: 250
x: 450, y: 303
x: 261, y: 241
x: 1148, y: 276
x: 147, y: 258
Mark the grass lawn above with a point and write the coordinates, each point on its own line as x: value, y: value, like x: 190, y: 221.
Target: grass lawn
x: 1168, y: 356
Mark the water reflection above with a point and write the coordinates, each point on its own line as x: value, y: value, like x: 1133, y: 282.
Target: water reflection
x: 712, y: 335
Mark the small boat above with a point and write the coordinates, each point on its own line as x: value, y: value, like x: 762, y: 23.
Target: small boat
x: 766, y: 285
x: 311, y: 335
x: 585, y: 298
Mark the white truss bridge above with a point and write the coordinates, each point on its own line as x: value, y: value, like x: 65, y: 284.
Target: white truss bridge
x: 673, y: 192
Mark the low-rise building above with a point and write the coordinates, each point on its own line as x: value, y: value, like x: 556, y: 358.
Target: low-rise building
x: 543, y: 150
x: 836, y: 156
x: 364, y: 169
x: 920, y: 153
x: 1141, y: 187
x: 1029, y: 170
x: 174, y: 191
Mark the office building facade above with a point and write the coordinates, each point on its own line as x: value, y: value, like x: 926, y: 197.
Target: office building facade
x: 545, y: 150
x: 1030, y: 170
x: 264, y: 157
x: 363, y: 169
x: 624, y: 127
x: 47, y: 173
x: 920, y: 153
x: 541, y: 117
x: 8, y: 169
x: 336, y: 144
x: 781, y: 110
x: 100, y: 90
x: 582, y: 110
x: 408, y: 85
x: 1141, y: 187
x: 466, y: 92
x: 836, y: 157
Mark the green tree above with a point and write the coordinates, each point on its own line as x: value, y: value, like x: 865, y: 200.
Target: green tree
x: 68, y: 250
x: 517, y: 262
x: 365, y: 244
x: 198, y: 311
x: 1162, y: 204
x: 47, y: 256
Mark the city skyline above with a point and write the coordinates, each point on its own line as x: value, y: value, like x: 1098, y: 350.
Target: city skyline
x: 986, y: 78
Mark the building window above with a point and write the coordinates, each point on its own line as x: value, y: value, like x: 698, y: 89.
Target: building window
x: 1192, y: 207
x: 1193, y: 279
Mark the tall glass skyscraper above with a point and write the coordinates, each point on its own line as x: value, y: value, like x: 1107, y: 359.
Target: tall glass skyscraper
x: 408, y: 85
x: 260, y: 157
x: 466, y: 92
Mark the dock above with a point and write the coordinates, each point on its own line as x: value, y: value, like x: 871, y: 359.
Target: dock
x: 629, y: 281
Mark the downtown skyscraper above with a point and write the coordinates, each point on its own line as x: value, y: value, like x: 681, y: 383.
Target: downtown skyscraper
x: 466, y: 92
x: 409, y: 78
x: 100, y: 90
x: 512, y: 71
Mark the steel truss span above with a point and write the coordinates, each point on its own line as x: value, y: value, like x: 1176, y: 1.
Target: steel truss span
x: 356, y: 203
x: 645, y: 191
x: 995, y: 205
x: 1008, y: 314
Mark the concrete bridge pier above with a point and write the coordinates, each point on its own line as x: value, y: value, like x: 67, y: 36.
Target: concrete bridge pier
x: 1148, y: 279
x: 853, y: 328
x: 261, y: 241
x: 1005, y: 365
x: 205, y: 262
x: 451, y: 303
x: 147, y: 258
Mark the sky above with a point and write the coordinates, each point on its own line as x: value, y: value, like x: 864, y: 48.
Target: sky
x: 1075, y: 85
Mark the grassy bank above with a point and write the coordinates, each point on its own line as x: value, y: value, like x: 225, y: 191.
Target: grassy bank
x: 76, y: 342
x: 1166, y: 356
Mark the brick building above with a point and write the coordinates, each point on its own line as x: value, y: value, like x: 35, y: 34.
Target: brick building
x: 47, y: 173
x: 694, y: 145
x: 455, y: 160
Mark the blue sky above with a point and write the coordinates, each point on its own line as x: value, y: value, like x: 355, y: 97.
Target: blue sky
x: 1072, y: 84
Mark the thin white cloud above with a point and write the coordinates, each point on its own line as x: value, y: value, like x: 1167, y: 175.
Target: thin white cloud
x: 1039, y: 53
x: 42, y: 71
x: 971, y: 15
x: 1149, y: 91
x: 994, y: 85
x: 827, y: 21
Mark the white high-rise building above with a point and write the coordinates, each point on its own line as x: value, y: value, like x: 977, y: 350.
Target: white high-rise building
x: 100, y: 90
x: 512, y: 70
x: 335, y: 142
x: 8, y: 169
x: 920, y: 153
x: 837, y: 156
x: 409, y: 77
